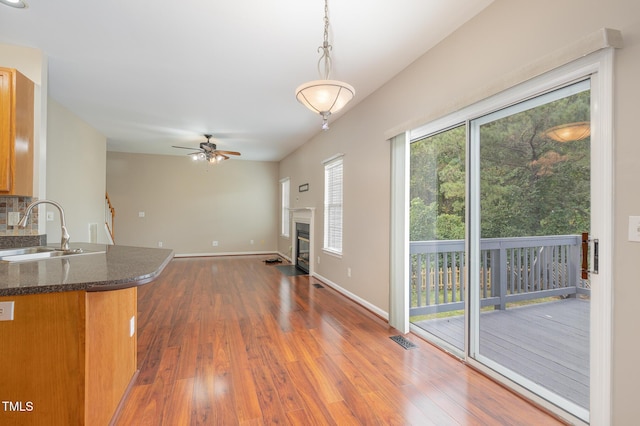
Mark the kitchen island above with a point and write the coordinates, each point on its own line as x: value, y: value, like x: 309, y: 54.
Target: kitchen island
x: 68, y: 356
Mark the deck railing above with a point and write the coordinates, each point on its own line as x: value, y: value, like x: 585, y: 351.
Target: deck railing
x: 511, y: 270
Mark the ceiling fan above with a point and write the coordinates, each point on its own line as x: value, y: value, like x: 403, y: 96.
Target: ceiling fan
x: 209, y: 152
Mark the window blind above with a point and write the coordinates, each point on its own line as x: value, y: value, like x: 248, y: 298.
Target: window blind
x: 333, y: 182
x: 284, y: 207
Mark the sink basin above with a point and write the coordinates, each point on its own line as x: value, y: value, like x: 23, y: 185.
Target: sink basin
x: 39, y: 253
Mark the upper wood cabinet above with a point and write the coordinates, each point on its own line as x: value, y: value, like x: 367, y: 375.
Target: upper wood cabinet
x: 16, y: 133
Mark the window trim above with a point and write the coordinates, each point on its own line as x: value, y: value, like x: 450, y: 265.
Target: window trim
x: 329, y: 164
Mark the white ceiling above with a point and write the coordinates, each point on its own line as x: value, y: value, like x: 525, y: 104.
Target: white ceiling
x: 152, y: 74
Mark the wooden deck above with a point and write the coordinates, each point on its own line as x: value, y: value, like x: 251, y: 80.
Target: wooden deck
x: 548, y: 343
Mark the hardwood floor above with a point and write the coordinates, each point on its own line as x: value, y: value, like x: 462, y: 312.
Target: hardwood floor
x: 231, y: 340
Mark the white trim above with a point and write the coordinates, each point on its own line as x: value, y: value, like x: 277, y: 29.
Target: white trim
x: 284, y: 256
x: 399, y: 252
x: 229, y: 253
x: 332, y: 158
x: 352, y: 297
x: 602, y: 285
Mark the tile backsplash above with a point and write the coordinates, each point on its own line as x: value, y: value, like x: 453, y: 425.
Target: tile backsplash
x: 17, y: 204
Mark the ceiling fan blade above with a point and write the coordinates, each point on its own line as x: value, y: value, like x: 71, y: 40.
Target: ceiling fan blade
x: 183, y: 147
x: 228, y: 152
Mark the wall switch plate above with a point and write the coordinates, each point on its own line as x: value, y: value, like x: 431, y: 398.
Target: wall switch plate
x: 634, y: 228
x: 140, y: 214
x: 6, y: 311
x: 13, y: 218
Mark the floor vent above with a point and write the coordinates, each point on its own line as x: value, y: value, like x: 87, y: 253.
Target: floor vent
x: 316, y: 285
x: 403, y: 342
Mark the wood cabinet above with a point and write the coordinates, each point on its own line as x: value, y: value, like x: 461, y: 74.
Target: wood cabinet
x: 16, y: 133
x: 67, y: 358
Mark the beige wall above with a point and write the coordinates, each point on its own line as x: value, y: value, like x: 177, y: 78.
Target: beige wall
x: 188, y: 205
x: 506, y: 37
x: 76, y: 175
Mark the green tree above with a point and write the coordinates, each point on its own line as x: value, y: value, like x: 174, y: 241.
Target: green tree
x: 530, y: 184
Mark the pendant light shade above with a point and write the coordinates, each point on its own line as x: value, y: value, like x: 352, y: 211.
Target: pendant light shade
x: 325, y: 96
x: 570, y: 132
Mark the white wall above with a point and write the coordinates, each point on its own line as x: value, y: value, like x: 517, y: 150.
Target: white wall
x: 472, y: 63
x: 76, y: 175
x: 187, y: 205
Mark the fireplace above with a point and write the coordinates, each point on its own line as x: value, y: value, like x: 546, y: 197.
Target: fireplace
x: 301, y: 250
x: 303, y: 246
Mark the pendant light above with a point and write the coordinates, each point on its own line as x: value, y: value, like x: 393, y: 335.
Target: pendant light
x: 570, y: 132
x: 325, y: 96
x: 18, y: 4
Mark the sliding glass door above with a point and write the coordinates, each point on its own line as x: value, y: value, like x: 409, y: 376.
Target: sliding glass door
x: 437, y: 231
x: 500, y: 214
x: 529, y: 311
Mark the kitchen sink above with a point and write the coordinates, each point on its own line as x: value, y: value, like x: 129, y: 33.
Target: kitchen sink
x: 26, y: 254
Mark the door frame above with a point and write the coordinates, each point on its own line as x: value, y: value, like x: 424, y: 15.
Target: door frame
x: 547, y: 94
x: 599, y: 67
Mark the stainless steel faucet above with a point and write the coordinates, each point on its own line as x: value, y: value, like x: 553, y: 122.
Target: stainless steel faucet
x: 64, y: 242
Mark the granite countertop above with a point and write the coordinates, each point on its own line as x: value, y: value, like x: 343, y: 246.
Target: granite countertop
x: 116, y: 267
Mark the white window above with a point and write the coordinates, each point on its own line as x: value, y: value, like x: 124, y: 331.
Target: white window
x: 333, y: 204
x: 284, y: 207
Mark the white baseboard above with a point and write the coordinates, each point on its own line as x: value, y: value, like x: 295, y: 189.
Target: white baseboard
x: 230, y: 253
x: 284, y: 256
x: 353, y: 297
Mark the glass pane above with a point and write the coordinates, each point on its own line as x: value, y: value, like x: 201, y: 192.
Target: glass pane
x: 437, y: 232
x: 534, y: 204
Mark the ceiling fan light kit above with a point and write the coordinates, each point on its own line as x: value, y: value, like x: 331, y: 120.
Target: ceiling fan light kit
x: 325, y: 96
x: 209, y: 152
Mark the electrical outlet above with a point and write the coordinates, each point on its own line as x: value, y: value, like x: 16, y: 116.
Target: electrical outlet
x: 49, y: 216
x: 13, y: 218
x: 634, y: 228
x: 6, y: 311
x: 349, y: 272
x: 159, y: 243
x: 214, y: 244
x: 251, y: 242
